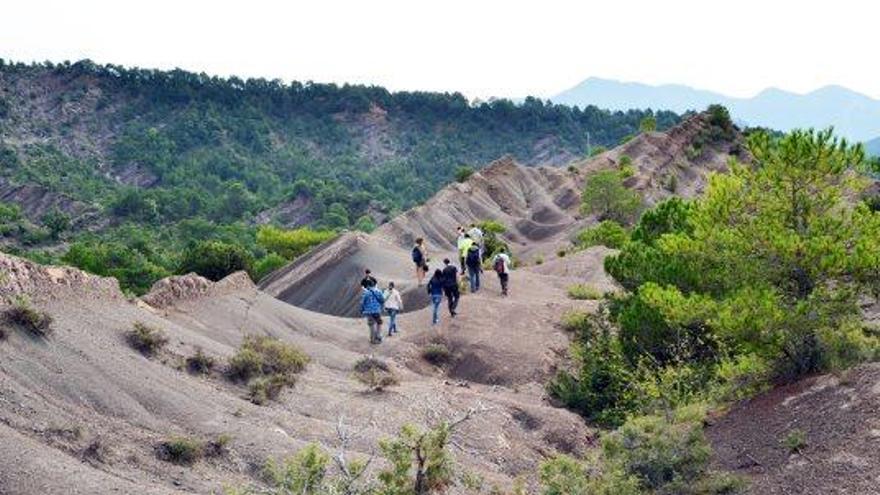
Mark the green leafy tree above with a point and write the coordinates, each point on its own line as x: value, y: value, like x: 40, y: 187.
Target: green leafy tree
x: 648, y: 124
x: 215, y: 259
x: 420, y: 463
x: 291, y: 243
x: 57, y: 222
x: 365, y: 224
x: 606, y: 197
x: 607, y: 233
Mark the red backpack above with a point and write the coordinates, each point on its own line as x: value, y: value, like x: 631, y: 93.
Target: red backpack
x: 499, y: 264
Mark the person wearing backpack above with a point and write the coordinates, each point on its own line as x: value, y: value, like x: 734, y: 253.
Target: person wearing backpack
x: 450, y: 286
x: 435, y: 290
x: 477, y: 236
x: 464, y: 244
x: 393, y: 306
x: 501, y: 264
x: 371, y: 308
x: 474, y: 267
x: 420, y: 258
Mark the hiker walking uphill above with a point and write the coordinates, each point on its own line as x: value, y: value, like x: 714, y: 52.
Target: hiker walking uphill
x: 420, y: 258
x: 450, y: 286
x: 501, y: 264
x: 464, y: 244
x: 393, y: 306
x: 477, y: 236
x: 435, y: 290
x: 474, y: 267
x: 371, y: 308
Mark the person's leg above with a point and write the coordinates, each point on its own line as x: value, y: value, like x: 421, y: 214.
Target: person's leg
x: 392, y: 321
x: 436, y: 300
x: 456, y: 295
x: 477, y: 278
x: 447, y: 291
x: 472, y: 279
x: 503, y: 278
x: 371, y: 324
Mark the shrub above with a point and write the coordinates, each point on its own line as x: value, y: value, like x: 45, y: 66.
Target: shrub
x: 266, y: 356
x: 576, y: 321
x: 268, y: 364
x: 437, y: 354
x: 215, y: 259
x: 265, y: 388
x: 145, y: 339
x: 290, y: 244
x: 794, y: 441
x: 608, y: 233
x: 268, y: 264
x: 667, y: 454
x: 24, y: 315
x: 463, y: 173
x: 181, y: 450
x: 583, y: 291
x: 539, y: 260
x: 200, y: 363
x: 606, y: 197
x: 374, y: 373
x: 561, y: 253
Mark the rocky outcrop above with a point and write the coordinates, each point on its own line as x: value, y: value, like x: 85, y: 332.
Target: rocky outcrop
x: 171, y: 291
x: 24, y: 278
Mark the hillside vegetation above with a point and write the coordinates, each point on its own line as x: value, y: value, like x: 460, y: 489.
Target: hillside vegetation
x: 142, y: 163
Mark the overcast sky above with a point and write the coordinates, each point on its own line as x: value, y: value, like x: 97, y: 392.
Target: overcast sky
x: 481, y: 48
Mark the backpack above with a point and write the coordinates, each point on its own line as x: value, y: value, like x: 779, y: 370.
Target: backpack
x: 417, y: 255
x: 499, y: 264
x: 473, y: 257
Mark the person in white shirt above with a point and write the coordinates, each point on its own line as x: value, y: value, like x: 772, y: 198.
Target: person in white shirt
x: 501, y: 264
x: 477, y: 236
x: 393, y: 306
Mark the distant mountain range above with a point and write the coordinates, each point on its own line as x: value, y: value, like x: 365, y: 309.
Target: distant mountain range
x: 853, y: 115
x: 873, y: 147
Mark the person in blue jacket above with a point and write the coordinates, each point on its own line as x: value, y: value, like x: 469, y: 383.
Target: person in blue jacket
x: 435, y: 290
x: 372, y: 301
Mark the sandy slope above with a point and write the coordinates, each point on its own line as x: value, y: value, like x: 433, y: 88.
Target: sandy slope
x: 84, y: 383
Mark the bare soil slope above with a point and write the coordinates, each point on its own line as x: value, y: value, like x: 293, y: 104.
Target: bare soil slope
x: 83, y: 390
x: 840, y: 419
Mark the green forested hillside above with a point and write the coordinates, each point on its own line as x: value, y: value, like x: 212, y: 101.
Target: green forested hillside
x: 151, y: 160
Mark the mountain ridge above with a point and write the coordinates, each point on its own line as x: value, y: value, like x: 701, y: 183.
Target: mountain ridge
x: 853, y: 114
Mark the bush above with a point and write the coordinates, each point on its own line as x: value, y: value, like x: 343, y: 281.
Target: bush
x: 539, y: 260
x: 599, y: 385
x: 374, y: 373
x: 437, y: 354
x: 463, y: 173
x: 608, y: 233
x: 181, y: 450
x: 794, y: 441
x: 200, y: 363
x: 560, y: 253
x: 290, y: 244
x: 583, y: 292
x: 145, y: 339
x: 24, y: 315
x: 667, y: 454
x: 215, y: 259
x: 576, y: 321
x: 268, y: 264
x: 268, y: 364
x: 265, y: 388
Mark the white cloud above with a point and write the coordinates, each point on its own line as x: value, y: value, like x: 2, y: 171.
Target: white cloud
x: 481, y: 48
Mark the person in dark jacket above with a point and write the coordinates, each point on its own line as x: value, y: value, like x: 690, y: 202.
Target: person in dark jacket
x: 450, y: 286
x: 474, y: 267
x: 435, y: 290
x: 372, y: 301
x: 368, y: 280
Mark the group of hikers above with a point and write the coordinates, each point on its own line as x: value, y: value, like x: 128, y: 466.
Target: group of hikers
x: 443, y: 283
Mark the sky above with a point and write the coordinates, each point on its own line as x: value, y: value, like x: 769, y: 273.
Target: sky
x: 481, y: 48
